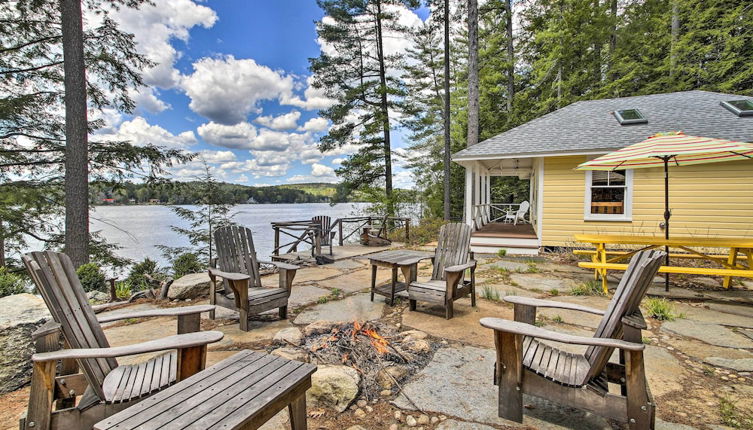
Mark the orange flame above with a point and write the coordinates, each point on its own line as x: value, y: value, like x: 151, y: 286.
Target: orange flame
x: 377, y: 341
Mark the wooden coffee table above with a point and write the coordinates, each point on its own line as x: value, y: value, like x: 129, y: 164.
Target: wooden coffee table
x: 241, y: 392
x: 404, y: 260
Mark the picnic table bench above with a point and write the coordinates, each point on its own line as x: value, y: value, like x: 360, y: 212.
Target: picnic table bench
x: 603, y: 260
x: 241, y: 392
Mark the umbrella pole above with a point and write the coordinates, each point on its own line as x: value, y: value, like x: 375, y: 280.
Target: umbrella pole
x: 667, y: 215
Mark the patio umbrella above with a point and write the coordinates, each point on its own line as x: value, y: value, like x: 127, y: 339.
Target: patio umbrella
x: 675, y: 149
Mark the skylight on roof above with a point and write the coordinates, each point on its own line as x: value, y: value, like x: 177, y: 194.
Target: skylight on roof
x: 739, y: 107
x: 630, y: 116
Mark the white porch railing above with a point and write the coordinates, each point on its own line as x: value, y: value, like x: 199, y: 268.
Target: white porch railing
x: 491, y: 212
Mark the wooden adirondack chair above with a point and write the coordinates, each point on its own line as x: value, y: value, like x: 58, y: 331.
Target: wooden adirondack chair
x: 451, y: 259
x: 241, y: 287
x: 526, y: 365
x: 104, y: 386
x: 326, y: 236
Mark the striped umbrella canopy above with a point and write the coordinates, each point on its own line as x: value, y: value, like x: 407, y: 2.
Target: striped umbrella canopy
x: 671, y: 149
x: 675, y: 148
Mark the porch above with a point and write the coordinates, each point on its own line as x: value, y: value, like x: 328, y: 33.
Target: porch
x: 494, y: 227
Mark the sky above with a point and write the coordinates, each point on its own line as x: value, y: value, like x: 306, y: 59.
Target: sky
x: 231, y: 82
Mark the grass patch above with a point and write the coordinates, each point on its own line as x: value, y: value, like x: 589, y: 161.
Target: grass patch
x: 558, y: 319
x: 123, y: 290
x: 533, y: 268
x: 732, y: 416
x: 501, y: 253
x: 646, y: 340
x: 589, y: 288
x: 661, y: 309
x: 554, y: 292
x: 490, y: 293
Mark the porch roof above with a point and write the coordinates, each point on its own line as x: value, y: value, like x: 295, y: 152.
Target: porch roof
x: 589, y: 127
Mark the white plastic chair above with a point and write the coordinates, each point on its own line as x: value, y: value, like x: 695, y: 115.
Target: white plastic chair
x: 519, y: 215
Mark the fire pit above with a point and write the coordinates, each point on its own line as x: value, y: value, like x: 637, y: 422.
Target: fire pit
x: 377, y: 351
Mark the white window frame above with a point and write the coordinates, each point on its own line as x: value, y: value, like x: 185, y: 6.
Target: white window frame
x: 628, y: 212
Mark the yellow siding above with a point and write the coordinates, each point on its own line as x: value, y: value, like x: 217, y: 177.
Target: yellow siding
x: 709, y: 200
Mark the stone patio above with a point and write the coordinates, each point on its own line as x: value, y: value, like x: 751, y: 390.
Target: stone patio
x: 694, y: 363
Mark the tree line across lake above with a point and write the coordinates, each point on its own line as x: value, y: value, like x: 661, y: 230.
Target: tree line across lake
x: 190, y: 193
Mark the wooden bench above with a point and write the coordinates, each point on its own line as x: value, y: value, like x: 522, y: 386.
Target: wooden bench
x: 241, y: 392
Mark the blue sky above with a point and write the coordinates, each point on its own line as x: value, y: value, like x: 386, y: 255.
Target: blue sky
x: 231, y: 82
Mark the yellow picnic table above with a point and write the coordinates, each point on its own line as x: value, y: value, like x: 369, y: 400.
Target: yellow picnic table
x: 603, y: 259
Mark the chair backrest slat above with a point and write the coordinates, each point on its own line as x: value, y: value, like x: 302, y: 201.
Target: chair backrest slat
x: 633, y: 286
x: 236, y: 253
x: 453, y: 247
x: 56, y: 280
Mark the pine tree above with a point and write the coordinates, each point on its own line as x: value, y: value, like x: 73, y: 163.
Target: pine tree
x: 364, y: 79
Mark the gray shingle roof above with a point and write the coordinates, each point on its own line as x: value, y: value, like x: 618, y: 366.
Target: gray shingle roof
x: 587, y: 126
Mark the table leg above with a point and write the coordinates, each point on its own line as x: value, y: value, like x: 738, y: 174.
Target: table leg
x: 392, y: 285
x: 297, y: 411
x: 731, y: 260
x: 373, y: 280
x: 603, y: 255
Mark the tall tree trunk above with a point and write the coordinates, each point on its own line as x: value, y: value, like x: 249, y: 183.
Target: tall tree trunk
x: 447, y: 110
x: 597, y: 43
x: 675, y: 34
x: 2, y: 245
x: 76, y: 145
x: 385, y: 113
x: 473, y: 102
x: 510, y: 59
x: 612, y: 38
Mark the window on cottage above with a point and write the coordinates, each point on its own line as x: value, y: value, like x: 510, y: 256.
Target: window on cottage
x: 608, y: 192
x: 739, y: 107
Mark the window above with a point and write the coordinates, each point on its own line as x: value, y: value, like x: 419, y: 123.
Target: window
x: 608, y: 195
x: 739, y: 107
x: 630, y: 116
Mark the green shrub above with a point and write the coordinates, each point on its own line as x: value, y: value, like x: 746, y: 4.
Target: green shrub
x: 10, y: 283
x: 733, y: 416
x: 123, y: 290
x: 185, y: 264
x: 490, y: 293
x: 554, y: 292
x: 660, y: 309
x: 136, y: 278
x: 501, y: 253
x: 590, y: 288
x: 426, y: 231
x: 92, y: 279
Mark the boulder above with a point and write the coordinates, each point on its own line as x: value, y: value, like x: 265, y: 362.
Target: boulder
x: 97, y: 296
x: 319, y: 327
x: 289, y: 335
x: 20, y: 315
x: 386, y: 377
x: 334, y: 387
x: 189, y: 287
x: 418, y: 346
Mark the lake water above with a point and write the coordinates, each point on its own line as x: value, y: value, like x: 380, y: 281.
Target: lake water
x: 139, y: 229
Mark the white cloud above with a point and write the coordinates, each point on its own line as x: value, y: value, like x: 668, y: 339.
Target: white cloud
x: 238, y: 136
x: 154, y: 26
x: 281, y: 122
x: 315, y: 124
x: 337, y: 161
x: 319, y: 173
x: 146, y: 100
x: 319, y: 170
x: 139, y: 132
x: 226, y: 90
x: 253, y: 167
x: 217, y: 156
x: 404, y: 179
x: 313, y: 98
x: 242, y: 179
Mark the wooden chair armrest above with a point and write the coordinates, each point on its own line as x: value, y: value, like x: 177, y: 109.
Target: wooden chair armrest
x: 415, y: 260
x: 540, y: 333
x: 49, y: 327
x: 635, y: 320
x: 461, y: 267
x: 180, y: 341
x: 279, y: 265
x: 229, y: 276
x: 538, y: 303
x: 168, y: 312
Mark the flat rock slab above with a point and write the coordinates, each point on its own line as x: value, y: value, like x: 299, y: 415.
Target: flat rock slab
x: 542, y: 282
x: 258, y: 331
x: 462, y: 425
x: 713, y: 334
x: 131, y: 309
x: 742, y: 310
x: 700, y: 313
x: 503, y: 290
x: 700, y: 350
x: 512, y: 266
x: 348, y: 264
x: 458, y: 382
x: 309, y: 274
x: 663, y: 425
x: 359, y: 280
x: 575, y: 317
x: 739, y: 364
x: 128, y: 334
x: 664, y: 372
x: 464, y: 326
x: 358, y: 307
x: 302, y: 295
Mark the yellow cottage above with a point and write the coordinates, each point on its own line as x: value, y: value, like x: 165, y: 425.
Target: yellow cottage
x: 711, y: 200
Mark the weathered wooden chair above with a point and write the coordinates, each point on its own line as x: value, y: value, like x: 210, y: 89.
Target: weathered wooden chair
x: 451, y: 259
x: 103, y: 387
x: 241, y: 287
x: 526, y: 365
x: 326, y: 236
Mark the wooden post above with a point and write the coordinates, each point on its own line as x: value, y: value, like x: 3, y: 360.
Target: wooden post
x: 340, y: 231
x: 113, y: 295
x: 407, y: 229
x: 297, y: 411
x: 41, y: 396
x: 639, y: 409
x: 510, y: 375
x: 191, y: 361
x: 277, y: 241
x: 525, y: 314
x: 190, y: 323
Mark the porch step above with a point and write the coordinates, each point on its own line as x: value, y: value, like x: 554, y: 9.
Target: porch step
x: 484, y: 248
x: 504, y: 241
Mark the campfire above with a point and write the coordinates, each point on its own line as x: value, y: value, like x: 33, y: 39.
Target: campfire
x: 382, y: 355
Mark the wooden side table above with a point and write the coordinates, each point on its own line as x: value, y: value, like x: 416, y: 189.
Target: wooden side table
x: 405, y: 260
x: 241, y: 392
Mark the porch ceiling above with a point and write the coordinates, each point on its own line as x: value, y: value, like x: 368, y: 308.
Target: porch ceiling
x: 521, y: 167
